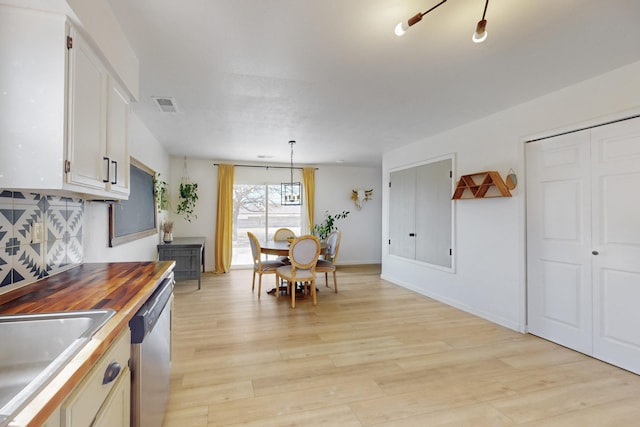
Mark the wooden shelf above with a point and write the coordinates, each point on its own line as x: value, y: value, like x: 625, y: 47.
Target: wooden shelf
x: 480, y: 185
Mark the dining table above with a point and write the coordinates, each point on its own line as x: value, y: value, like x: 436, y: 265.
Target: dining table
x: 281, y: 248
x: 275, y: 247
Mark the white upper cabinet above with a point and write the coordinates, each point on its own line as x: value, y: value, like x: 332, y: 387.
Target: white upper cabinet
x: 97, y: 146
x: 63, y: 120
x: 117, y: 138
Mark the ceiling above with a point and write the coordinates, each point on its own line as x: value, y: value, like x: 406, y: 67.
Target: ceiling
x: 247, y: 76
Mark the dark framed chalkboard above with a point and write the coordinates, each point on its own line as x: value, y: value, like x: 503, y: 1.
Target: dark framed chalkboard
x: 134, y: 218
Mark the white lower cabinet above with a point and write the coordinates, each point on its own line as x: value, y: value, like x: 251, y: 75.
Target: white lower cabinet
x: 54, y: 419
x: 116, y: 409
x: 102, y: 398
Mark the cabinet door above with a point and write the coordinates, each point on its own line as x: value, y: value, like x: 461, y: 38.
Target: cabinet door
x: 187, y: 261
x: 117, y: 139
x: 53, y: 420
x: 32, y: 98
x: 91, y: 397
x: 116, y: 411
x: 86, y: 112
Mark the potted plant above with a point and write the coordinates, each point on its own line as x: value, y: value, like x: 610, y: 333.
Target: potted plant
x: 162, y: 193
x: 188, y: 198
x: 323, y: 229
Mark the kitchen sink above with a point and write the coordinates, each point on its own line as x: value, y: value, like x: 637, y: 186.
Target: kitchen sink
x: 35, y: 347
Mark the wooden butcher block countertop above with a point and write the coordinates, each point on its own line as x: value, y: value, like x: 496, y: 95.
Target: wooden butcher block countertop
x: 123, y: 287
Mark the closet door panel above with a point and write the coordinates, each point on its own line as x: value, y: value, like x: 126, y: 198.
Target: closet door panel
x: 616, y: 240
x: 402, y: 212
x: 559, y: 240
x: 433, y: 213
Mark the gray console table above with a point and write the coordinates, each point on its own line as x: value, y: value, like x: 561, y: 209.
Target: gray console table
x: 188, y: 253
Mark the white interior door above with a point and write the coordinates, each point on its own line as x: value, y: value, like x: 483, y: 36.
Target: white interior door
x: 616, y: 239
x: 583, y: 241
x: 559, y: 240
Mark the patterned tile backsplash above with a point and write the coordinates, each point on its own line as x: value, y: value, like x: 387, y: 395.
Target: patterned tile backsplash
x: 40, y: 235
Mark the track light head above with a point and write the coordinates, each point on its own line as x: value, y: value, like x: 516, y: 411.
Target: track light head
x: 402, y: 27
x: 480, y: 34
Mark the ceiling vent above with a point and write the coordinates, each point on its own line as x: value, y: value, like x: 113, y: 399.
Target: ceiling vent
x: 166, y: 104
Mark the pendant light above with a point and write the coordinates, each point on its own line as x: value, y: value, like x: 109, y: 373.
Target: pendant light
x: 480, y: 34
x: 290, y: 191
x: 402, y: 27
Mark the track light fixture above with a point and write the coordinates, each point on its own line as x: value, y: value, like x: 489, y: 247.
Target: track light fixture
x: 402, y: 27
x: 479, y: 35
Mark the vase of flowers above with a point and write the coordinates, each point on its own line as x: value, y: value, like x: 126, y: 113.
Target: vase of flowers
x: 167, y: 230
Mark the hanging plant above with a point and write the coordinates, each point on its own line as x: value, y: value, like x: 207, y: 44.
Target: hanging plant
x: 188, y: 196
x: 162, y: 193
x: 323, y: 229
x: 187, y: 202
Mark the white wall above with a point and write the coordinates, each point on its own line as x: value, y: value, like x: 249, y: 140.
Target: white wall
x: 143, y: 147
x: 205, y: 175
x: 360, y: 230
x: 490, y: 233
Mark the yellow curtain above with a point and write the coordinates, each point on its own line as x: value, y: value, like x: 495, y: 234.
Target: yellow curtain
x: 224, y: 219
x: 309, y: 178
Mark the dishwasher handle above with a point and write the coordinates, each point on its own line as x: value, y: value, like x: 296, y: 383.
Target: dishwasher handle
x: 111, y: 373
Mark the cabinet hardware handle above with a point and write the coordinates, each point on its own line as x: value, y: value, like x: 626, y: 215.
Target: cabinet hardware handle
x: 115, y: 171
x: 108, y: 169
x: 595, y: 252
x: 412, y: 234
x: 111, y: 373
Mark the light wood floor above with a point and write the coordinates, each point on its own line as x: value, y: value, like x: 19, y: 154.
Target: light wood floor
x: 373, y: 355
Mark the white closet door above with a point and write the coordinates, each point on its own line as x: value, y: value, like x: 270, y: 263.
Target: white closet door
x: 559, y: 240
x: 402, y: 213
x: 616, y: 239
x: 583, y: 241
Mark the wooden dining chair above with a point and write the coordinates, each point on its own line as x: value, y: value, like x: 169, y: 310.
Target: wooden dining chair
x: 281, y: 235
x: 261, y: 267
x: 304, y: 252
x: 328, y: 264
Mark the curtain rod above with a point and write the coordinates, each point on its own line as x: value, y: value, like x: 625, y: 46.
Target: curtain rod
x: 266, y: 167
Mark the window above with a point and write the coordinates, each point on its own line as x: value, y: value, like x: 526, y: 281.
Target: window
x: 257, y: 208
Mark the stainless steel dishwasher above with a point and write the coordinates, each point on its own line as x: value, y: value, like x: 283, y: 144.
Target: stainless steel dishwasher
x: 151, y: 357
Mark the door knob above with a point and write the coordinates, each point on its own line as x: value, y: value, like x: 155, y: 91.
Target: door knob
x: 594, y: 252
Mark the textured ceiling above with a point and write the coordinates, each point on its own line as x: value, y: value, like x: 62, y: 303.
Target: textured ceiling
x: 249, y: 75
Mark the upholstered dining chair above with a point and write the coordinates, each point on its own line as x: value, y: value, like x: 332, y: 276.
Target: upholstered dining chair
x: 303, y: 253
x: 328, y: 264
x: 281, y: 235
x: 261, y: 267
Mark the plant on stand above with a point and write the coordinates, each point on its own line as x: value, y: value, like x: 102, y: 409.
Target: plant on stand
x: 323, y: 229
